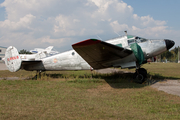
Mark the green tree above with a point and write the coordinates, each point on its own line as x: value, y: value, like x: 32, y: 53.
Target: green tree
x: 24, y: 52
x: 171, y: 55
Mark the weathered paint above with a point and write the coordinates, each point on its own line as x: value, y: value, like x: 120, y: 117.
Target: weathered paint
x: 120, y: 45
x: 138, y: 53
x: 71, y: 60
x: 12, y: 59
x: 120, y: 40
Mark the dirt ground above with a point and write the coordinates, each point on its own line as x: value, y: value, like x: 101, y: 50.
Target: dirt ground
x: 168, y: 86
x: 3, y: 66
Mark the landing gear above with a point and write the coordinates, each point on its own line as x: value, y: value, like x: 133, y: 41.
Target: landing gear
x: 140, y: 75
x: 38, y: 74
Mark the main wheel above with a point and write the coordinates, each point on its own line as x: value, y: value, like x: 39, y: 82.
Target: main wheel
x: 140, y: 75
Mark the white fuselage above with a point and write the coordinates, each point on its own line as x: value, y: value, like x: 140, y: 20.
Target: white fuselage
x: 140, y: 50
x: 71, y: 60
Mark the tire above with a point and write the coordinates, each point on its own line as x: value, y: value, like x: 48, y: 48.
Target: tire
x: 140, y: 75
x: 143, y: 71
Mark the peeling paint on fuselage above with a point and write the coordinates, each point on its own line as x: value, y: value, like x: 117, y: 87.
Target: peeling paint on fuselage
x: 69, y: 60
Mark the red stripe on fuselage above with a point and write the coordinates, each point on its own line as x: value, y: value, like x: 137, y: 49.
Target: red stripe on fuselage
x: 13, y: 58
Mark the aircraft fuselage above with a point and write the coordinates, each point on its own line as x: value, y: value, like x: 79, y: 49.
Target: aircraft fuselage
x: 71, y: 60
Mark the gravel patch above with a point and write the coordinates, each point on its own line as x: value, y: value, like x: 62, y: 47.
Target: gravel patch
x: 3, y: 66
x: 13, y: 78
x: 168, y: 86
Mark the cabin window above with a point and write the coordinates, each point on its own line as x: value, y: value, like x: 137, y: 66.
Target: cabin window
x: 73, y: 53
x: 131, y: 41
x: 143, y: 40
x: 0, y: 50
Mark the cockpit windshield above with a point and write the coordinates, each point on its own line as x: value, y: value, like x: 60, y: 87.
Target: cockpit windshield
x: 136, y: 40
x: 139, y: 40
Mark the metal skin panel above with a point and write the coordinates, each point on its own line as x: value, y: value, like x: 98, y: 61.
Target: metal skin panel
x: 69, y: 60
x: 153, y: 48
x: 26, y: 57
x: 120, y: 40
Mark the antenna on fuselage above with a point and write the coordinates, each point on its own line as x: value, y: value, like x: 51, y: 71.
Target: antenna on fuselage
x: 98, y: 37
x: 117, y: 33
x: 125, y: 32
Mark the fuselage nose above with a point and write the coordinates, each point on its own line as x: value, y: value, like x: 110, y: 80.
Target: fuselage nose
x: 169, y: 43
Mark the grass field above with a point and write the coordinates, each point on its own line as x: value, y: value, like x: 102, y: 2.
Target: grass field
x: 86, y: 95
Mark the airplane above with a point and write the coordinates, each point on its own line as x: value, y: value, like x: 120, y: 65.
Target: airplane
x: 38, y: 50
x: 36, y: 53
x: 126, y: 52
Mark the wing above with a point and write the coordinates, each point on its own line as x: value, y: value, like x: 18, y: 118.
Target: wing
x: 98, y: 53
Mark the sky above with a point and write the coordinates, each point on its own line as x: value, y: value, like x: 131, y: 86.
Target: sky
x: 29, y: 24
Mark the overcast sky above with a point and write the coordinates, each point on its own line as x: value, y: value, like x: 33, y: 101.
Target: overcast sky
x: 28, y: 24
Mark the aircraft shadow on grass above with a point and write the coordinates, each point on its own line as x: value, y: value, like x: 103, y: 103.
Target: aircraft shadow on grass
x: 116, y: 80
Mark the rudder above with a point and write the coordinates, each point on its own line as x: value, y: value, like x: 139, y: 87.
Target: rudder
x: 12, y: 59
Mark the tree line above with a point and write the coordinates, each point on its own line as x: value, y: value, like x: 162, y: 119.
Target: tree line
x: 171, y: 55
x: 24, y: 52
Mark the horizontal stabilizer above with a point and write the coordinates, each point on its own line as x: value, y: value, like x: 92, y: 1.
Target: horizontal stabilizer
x: 48, y: 49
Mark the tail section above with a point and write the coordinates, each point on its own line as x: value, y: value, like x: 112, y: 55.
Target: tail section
x: 44, y: 53
x: 12, y: 59
x: 38, y: 50
x: 48, y: 49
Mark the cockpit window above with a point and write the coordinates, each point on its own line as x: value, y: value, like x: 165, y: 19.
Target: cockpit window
x: 139, y: 40
x: 143, y: 40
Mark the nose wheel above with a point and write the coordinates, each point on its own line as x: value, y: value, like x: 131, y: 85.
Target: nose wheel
x: 140, y: 75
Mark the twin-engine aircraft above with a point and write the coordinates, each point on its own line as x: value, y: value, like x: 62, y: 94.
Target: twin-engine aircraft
x: 126, y: 52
